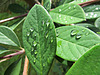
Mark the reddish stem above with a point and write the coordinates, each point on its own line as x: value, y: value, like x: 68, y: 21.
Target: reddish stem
x: 13, y: 54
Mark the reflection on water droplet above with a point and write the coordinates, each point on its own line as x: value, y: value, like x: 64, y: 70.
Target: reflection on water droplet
x: 35, y: 52
x: 71, y: 18
x: 69, y: 7
x: 43, y: 64
x: 59, y: 15
x: 43, y: 22
x: 34, y: 43
x: 87, y: 34
x: 34, y: 60
x: 51, y: 39
x: 47, y: 36
x: 28, y: 34
x: 31, y: 29
x: 74, y: 32
x: 47, y: 24
x: 95, y: 15
x: 86, y: 14
x: 78, y: 36
x: 66, y: 21
x: 32, y: 49
x: 91, y: 13
x: 59, y: 10
x: 96, y: 8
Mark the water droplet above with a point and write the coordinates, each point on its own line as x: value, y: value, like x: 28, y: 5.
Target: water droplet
x: 43, y: 64
x: 47, y: 36
x: 91, y: 16
x: 71, y: 18
x: 82, y: 1
x: 43, y: 22
x: 59, y: 15
x: 74, y: 32
x: 91, y: 13
x: 28, y: 34
x: 31, y: 29
x: 69, y: 7
x: 95, y: 15
x: 87, y: 34
x: 51, y: 39
x: 86, y: 14
x: 74, y: 6
x: 47, y: 24
x: 59, y: 10
x: 32, y: 49
x: 35, y: 52
x: 78, y: 36
x: 34, y: 60
x: 96, y: 8
x: 66, y: 21
x: 34, y: 43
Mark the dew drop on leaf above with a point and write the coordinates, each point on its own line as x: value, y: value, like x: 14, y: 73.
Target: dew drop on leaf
x: 34, y: 60
x: 78, y: 36
x: 35, y: 52
x: 74, y: 32
x: 51, y: 39
x: 59, y: 15
x: 96, y: 8
x: 59, y: 10
x: 34, y: 43
x: 31, y: 29
x: 69, y: 7
x: 28, y: 34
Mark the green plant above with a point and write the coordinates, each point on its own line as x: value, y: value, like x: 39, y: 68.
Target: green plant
x: 59, y: 37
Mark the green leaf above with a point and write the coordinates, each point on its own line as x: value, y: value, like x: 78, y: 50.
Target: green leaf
x: 74, y: 41
x: 97, y: 23
x: 4, y: 51
x: 39, y: 39
x: 88, y: 64
x: 68, y: 14
x: 14, y: 68
x: 16, y: 8
x: 8, y: 37
x: 47, y: 4
x: 92, y: 11
x: 92, y: 8
x: 79, y: 1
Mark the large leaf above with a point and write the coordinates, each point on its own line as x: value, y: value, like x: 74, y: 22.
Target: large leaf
x: 47, y: 4
x: 39, y: 39
x: 14, y: 68
x: 74, y: 41
x: 88, y: 64
x: 8, y: 37
x: 68, y: 14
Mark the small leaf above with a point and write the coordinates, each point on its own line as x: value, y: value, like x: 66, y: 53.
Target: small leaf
x: 47, y: 4
x: 16, y: 8
x: 39, y: 39
x: 88, y: 64
x: 8, y: 37
x: 14, y: 68
x: 74, y: 41
x: 68, y: 14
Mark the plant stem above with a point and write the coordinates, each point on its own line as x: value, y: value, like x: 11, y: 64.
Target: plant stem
x: 13, y: 54
x: 4, y: 60
x: 12, y: 18
x: 88, y: 3
x: 25, y: 71
x: 37, y: 2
